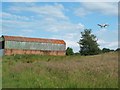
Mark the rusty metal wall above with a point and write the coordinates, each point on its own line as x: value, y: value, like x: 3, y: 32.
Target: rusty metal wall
x: 34, y: 46
x: 41, y: 52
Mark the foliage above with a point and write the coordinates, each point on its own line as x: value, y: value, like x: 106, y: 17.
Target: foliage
x: 118, y: 49
x: 88, y: 43
x: 112, y: 50
x: 69, y: 51
x: 104, y: 50
x: 77, y: 53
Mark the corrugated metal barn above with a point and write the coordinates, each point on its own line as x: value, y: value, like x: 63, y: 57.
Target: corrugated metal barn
x: 24, y: 45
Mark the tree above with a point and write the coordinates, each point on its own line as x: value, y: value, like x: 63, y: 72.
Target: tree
x: 88, y: 43
x: 104, y: 50
x: 69, y: 51
x: 112, y: 50
x: 77, y: 53
x: 118, y: 49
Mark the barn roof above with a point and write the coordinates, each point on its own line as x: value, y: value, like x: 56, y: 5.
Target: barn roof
x: 26, y: 39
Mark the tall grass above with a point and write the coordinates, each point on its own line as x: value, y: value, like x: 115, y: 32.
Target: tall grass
x: 35, y: 71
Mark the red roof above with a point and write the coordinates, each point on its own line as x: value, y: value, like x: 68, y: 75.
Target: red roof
x: 26, y: 39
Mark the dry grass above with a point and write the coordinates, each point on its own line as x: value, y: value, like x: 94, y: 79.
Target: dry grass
x: 67, y: 72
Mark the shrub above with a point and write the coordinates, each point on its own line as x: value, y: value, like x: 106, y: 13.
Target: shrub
x: 69, y: 51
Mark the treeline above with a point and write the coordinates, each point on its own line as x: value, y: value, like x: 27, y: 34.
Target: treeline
x: 88, y: 45
x: 69, y: 51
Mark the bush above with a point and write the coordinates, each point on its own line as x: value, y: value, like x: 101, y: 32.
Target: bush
x: 118, y: 49
x: 69, y: 51
x: 77, y: 53
x: 104, y: 50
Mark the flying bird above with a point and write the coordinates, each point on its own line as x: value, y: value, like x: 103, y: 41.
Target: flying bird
x: 103, y: 25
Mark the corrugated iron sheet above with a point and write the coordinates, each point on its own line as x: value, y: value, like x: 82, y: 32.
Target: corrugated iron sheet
x: 34, y: 46
x: 26, y: 39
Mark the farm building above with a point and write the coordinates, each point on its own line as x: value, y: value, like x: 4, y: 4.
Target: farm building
x: 24, y: 45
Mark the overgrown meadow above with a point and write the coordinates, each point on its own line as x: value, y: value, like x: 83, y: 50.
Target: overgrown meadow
x: 36, y: 71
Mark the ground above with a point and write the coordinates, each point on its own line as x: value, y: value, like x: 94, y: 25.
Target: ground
x: 35, y: 71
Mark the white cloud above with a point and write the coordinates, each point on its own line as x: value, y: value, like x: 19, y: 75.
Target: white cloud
x: 80, y: 26
x: 13, y: 17
x: 106, y: 44
x: 64, y: 26
x: 103, y: 7
x: 16, y: 23
x: 53, y: 21
x: 72, y: 44
x: 106, y: 8
x: 101, y: 31
x: 101, y: 42
x: 81, y: 12
x: 46, y: 24
x: 27, y: 31
x: 113, y: 44
x: 107, y: 38
x: 71, y: 40
x: 20, y: 0
x: 55, y: 11
x: 71, y: 35
x: 53, y: 25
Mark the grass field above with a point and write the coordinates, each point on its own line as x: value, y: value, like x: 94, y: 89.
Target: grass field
x: 35, y: 71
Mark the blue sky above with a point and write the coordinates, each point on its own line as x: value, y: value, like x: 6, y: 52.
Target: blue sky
x: 61, y: 21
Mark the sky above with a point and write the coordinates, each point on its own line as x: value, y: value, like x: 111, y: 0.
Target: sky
x: 61, y: 20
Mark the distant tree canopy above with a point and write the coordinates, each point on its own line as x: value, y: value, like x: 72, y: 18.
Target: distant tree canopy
x: 69, y: 51
x: 104, y: 50
x: 77, y: 53
x: 118, y: 49
x: 88, y: 43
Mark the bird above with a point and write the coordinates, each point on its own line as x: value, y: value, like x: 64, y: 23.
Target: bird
x: 103, y: 25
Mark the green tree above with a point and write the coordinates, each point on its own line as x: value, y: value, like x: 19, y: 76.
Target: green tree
x: 88, y: 43
x: 104, y: 50
x: 69, y: 51
x: 118, y: 49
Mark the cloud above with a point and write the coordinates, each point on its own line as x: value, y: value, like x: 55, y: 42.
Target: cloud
x: 71, y: 40
x: 49, y: 21
x: 13, y: 17
x: 71, y: 44
x: 45, y: 24
x: 55, y: 10
x: 81, y: 12
x: 106, y: 8
x: 106, y: 44
x: 65, y: 27
x: 70, y: 35
x: 101, y: 42
x: 20, y: 0
x: 113, y: 44
x: 26, y: 32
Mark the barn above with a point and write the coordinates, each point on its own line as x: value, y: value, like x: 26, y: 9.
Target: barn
x: 12, y: 45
